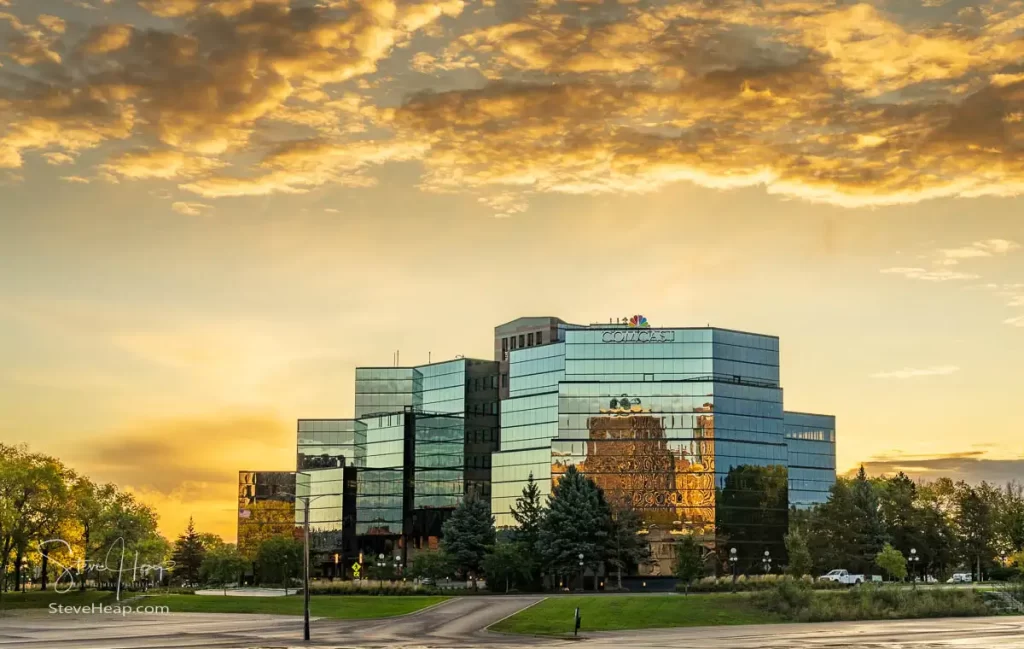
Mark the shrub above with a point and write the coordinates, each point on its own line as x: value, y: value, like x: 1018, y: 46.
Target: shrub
x: 370, y: 588
x: 754, y: 583
x: 796, y: 601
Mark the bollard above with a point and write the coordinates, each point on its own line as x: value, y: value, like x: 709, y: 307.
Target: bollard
x: 578, y: 620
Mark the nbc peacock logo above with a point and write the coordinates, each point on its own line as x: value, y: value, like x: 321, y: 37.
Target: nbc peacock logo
x: 639, y: 321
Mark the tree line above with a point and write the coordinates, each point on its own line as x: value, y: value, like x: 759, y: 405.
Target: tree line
x: 58, y: 525
x: 951, y: 526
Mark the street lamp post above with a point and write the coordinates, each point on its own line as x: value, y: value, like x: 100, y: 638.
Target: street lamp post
x: 581, y: 570
x: 306, y: 500
x: 914, y: 559
x: 733, y: 561
x: 766, y: 562
x: 380, y: 572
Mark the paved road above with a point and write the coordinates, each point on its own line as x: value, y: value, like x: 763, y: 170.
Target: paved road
x: 972, y: 633
x: 459, y: 623
x: 456, y: 622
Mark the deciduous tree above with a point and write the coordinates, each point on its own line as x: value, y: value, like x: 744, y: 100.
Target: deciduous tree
x: 627, y: 547
x: 689, y: 565
x: 222, y: 565
x: 278, y: 559
x: 504, y: 565
x: 892, y: 562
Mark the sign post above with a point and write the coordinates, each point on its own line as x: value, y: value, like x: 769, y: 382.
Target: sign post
x: 578, y: 619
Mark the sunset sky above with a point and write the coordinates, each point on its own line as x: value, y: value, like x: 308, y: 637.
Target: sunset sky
x: 211, y: 211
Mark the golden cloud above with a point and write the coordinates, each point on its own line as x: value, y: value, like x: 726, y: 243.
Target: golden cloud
x: 855, y: 105
x: 158, y: 461
x: 189, y: 209
x: 106, y: 39
x: 233, y: 67
x: 163, y: 164
x: 296, y: 167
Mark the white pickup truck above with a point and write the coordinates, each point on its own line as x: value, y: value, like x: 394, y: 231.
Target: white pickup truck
x: 843, y: 577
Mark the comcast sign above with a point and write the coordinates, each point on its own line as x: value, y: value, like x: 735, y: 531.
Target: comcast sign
x: 639, y: 336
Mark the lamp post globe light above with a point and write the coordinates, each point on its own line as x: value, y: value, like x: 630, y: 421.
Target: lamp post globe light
x: 914, y: 560
x: 581, y: 570
x: 733, y: 561
x: 766, y: 562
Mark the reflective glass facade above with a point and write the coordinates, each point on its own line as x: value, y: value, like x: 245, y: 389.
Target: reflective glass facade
x: 684, y: 425
x: 422, y: 440
x: 811, y: 441
x: 266, y: 508
x: 328, y: 451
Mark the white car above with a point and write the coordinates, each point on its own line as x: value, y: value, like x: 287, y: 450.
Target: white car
x: 843, y: 577
x: 960, y: 578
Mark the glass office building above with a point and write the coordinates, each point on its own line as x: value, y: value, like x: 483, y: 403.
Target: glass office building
x: 266, y: 508
x: 685, y: 425
x: 811, y: 444
x: 328, y: 452
x: 385, y: 481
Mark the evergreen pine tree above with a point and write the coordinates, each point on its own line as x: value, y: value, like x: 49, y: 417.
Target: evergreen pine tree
x: 468, y: 535
x: 576, y: 523
x: 188, y: 554
x: 529, y: 515
x: 870, y: 530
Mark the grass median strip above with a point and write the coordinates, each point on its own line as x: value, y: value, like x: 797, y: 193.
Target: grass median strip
x: 43, y: 599
x: 554, y: 615
x: 349, y: 607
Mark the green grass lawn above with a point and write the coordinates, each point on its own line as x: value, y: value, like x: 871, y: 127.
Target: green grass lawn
x: 351, y: 607
x: 42, y: 599
x: 554, y: 615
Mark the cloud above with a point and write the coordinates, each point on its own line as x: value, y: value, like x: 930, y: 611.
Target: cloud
x: 158, y: 460
x: 978, y: 249
x: 208, y: 84
x: 860, y: 105
x: 298, y: 166
x: 78, y: 180
x: 105, y: 39
x: 230, y: 441
x: 162, y: 164
x: 1016, y: 321
x: 58, y: 158
x: 505, y: 204
x: 189, y: 209
x: 911, y: 373
x: 971, y: 467
x: 935, y: 275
